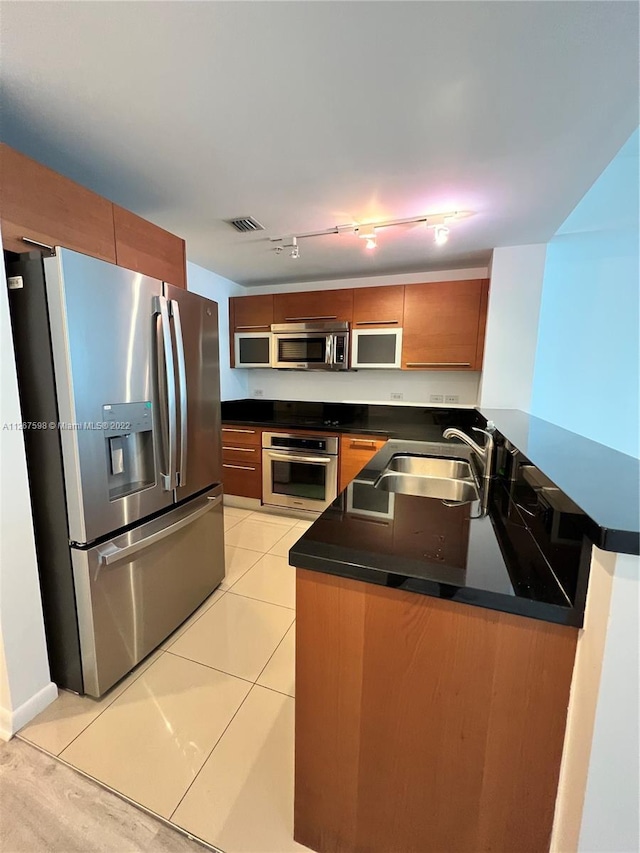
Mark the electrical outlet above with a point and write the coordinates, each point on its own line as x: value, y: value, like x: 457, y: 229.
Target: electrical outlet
x: 451, y: 398
x: 436, y: 398
x: 258, y: 392
x: 397, y: 395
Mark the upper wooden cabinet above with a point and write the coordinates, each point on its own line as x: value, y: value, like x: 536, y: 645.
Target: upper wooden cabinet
x: 149, y: 249
x: 319, y: 305
x: 378, y: 307
x: 251, y: 313
x: 42, y: 205
x: 444, y: 323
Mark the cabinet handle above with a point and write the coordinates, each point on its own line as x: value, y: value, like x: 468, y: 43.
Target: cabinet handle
x: 295, y: 319
x: 239, y: 467
x: 240, y: 449
x: 263, y: 326
x: 231, y: 429
x: 356, y: 441
x: 438, y: 364
x: 38, y: 243
x: 377, y: 323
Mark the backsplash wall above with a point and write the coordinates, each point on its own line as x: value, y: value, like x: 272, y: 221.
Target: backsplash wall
x: 364, y: 386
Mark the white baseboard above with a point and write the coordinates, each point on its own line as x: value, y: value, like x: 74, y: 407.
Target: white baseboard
x: 13, y: 721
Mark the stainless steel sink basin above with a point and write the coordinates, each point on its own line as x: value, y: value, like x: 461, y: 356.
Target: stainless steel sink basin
x: 430, y: 466
x: 429, y: 477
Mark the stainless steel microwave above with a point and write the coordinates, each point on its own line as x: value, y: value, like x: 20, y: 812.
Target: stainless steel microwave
x: 252, y: 349
x: 310, y: 346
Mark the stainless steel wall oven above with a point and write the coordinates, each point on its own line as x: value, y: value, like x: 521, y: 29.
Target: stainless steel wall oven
x: 299, y: 471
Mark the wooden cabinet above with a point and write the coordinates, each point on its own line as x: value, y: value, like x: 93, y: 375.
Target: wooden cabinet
x: 242, y: 460
x: 444, y: 324
x: 424, y: 725
x: 148, y: 249
x: 44, y: 206
x: 47, y: 207
x: 355, y: 452
x: 320, y: 305
x: 251, y: 313
x: 248, y: 314
x: 378, y: 307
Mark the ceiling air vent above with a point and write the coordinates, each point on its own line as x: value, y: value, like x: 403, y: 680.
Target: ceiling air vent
x: 245, y: 224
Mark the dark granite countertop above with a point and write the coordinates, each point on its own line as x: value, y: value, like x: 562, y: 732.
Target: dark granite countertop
x: 425, y: 546
x: 603, y: 482
x: 418, y: 423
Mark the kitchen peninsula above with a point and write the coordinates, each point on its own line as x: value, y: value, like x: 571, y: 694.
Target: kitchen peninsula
x: 435, y: 645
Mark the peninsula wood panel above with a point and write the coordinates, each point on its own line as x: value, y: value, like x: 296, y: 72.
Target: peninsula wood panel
x: 148, y: 249
x: 47, y: 207
x: 355, y: 452
x: 378, y: 306
x: 441, y: 327
x: 423, y: 725
x: 320, y: 305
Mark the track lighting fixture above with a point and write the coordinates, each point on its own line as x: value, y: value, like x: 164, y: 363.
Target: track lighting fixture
x: 441, y: 234
x: 438, y: 221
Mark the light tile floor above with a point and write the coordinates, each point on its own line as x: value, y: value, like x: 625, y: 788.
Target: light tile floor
x: 201, y: 732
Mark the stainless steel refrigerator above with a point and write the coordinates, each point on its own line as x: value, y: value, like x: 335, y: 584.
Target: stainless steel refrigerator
x: 120, y: 392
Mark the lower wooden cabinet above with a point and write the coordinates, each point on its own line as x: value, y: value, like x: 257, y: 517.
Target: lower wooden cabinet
x: 355, y: 452
x: 424, y: 725
x: 242, y: 460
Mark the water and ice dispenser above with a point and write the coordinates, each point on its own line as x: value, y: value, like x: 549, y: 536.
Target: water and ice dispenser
x: 128, y: 437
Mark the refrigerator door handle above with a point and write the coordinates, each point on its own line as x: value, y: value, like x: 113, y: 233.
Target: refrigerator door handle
x: 111, y: 554
x: 161, y: 307
x: 181, y: 474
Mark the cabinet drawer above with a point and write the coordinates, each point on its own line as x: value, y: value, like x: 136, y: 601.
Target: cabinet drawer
x: 355, y: 452
x: 242, y: 478
x: 233, y: 436
x: 241, y: 455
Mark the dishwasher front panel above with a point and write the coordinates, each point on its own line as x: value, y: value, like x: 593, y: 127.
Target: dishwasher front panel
x: 133, y: 591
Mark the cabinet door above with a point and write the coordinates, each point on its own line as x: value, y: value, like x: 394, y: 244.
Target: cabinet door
x: 47, y: 207
x: 251, y: 313
x: 355, y: 452
x: 320, y: 305
x: 146, y: 248
x: 378, y: 306
x: 242, y: 478
x: 443, y: 327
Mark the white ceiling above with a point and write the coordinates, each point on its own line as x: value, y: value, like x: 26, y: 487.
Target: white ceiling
x: 307, y: 115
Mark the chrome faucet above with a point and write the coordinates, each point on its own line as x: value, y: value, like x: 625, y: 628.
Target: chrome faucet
x: 484, y: 454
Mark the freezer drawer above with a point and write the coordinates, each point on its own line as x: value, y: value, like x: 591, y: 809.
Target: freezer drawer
x: 134, y: 590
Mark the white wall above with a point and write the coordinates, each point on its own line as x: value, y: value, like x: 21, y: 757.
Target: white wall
x: 233, y: 383
x: 367, y: 386
x: 515, y: 292
x: 25, y: 684
x: 611, y: 813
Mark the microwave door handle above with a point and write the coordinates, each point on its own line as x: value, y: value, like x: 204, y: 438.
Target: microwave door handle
x: 329, y: 354
x: 319, y: 460
x: 161, y: 307
x: 181, y: 473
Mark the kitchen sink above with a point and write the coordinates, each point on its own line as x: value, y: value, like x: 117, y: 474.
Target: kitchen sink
x: 429, y: 477
x: 430, y: 466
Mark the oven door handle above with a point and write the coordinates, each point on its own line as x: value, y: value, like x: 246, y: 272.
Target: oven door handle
x: 318, y: 460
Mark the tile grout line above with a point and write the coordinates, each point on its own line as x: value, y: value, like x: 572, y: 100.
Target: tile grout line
x: 161, y: 818
x: 212, y: 668
x: 261, y: 600
x: 159, y: 651
x: 222, y: 594
x: 274, y: 651
x: 191, y: 784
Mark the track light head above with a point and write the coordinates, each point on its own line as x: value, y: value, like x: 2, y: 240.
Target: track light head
x: 441, y: 234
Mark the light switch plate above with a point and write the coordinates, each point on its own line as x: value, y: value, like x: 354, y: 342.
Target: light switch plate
x: 451, y: 398
x: 436, y: 398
